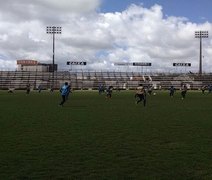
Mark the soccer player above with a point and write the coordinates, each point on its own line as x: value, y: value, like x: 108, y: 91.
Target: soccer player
x: 27, y: 88
x: 150, y: 90
x: 52, y: 90
x: 10, y: 90
x: 68, y: 91
x: 141, y: 94
x: 109, y: 92
x: 209, y: 88
x: 39, y: 88
x: 183, y: 91
x: 64, y: 90
x: 101, y: 89
x: 203, y: 88
x: 171, y: 91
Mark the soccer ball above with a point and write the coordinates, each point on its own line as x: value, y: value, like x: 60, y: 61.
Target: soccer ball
x: 154, y: 94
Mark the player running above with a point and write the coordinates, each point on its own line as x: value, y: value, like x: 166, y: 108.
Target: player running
x: 140, y: 95
x: 64, y: 90
x: 203, y: 88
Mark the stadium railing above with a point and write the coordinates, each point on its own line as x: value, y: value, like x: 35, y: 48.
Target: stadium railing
x: 92, y: 79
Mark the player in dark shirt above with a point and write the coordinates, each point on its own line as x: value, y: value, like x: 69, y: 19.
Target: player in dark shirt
x: 28, y: 89
x: 209, y: 88
x: 109, y: 92
x: 140, y: 95
x: 171, y: 91
x: 183, y: 91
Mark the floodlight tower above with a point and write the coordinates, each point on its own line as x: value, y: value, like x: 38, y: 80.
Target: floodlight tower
x: 200, y: 35
x: 53, y: 30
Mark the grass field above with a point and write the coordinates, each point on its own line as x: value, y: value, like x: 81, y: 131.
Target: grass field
x: 95, y: 138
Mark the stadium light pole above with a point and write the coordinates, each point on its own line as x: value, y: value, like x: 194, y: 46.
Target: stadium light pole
x: 53, y: 30
x: 200, y: 35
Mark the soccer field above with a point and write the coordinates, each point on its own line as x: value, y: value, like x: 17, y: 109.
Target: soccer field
x: 92, y: 137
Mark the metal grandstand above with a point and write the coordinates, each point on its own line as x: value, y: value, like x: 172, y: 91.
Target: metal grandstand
x: 91, y: 80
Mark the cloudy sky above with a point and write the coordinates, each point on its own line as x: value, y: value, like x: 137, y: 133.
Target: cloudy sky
x: 104, y: 32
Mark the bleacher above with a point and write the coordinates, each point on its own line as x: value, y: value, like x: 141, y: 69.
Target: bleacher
x: 91, y: 80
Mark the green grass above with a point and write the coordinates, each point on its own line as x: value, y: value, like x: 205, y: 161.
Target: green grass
x: 95, y: 138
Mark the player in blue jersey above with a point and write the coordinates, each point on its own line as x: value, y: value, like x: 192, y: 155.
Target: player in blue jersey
x: 64, y: 90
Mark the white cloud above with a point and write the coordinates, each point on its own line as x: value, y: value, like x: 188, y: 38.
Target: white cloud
x: 73, y: 6
x: 136, y: 34
x: 7, y: 65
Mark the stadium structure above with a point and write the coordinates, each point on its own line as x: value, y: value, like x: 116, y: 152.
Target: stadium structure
x: 90, y: 80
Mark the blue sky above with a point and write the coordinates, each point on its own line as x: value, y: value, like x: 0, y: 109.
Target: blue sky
x: 196, y: 11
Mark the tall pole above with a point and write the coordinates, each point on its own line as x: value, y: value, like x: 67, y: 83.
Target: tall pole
x: 53, y: 30
x: 200, y: 35
x: 53, y: 61
x: 200, y: 56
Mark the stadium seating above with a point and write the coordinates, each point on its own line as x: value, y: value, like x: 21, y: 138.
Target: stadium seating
x: 92, y: 80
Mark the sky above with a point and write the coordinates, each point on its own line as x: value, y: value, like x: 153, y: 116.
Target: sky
x: 104, y: 32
